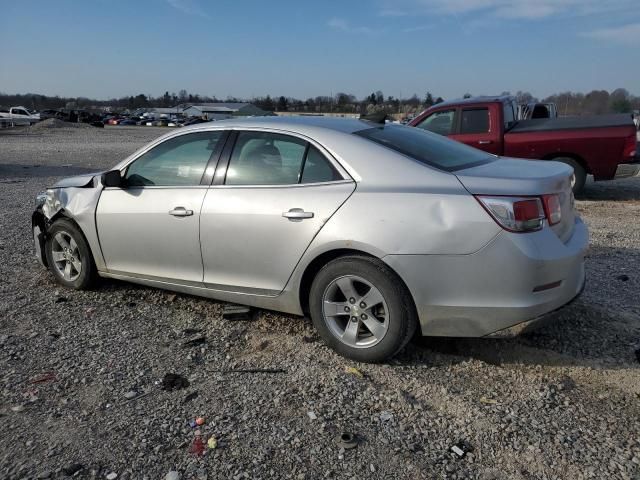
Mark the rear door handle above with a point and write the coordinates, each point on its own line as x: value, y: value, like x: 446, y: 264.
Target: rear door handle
x: 181, y: 212
x: 297, y: 214
x: 484, y: 142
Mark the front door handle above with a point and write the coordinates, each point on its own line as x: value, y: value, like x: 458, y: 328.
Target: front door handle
x: 181, y: 212
x: 484, y: 142
x: 297, y: 214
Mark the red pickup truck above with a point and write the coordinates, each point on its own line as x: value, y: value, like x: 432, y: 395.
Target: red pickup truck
x: 604, y: 146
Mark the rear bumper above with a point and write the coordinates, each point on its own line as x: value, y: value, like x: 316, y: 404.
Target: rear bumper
x: 626, y: 170
x: 514, y: 279
x: 535, y: 323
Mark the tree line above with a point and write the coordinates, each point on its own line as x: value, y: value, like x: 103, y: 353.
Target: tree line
x: 569, y: 103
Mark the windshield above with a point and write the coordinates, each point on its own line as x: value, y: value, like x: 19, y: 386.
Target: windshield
x: 426, y: 147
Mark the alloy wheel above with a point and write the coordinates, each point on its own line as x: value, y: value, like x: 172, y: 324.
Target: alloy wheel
x: 66, y: 256
x: 355, y: 311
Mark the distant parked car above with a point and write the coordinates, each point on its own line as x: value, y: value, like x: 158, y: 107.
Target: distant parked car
x: 373, y: 229
x: 45, y: 114
x: 194, y: 121
x: 19, y: 116
x: 162, y: 122
x: 127, y: 121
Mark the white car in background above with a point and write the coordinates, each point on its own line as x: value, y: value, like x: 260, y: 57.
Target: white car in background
x: 18, y: 116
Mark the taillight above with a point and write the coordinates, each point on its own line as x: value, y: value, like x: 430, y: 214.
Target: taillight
x: 552, y: 208
x: 630, y: 147
x: 516, y: 214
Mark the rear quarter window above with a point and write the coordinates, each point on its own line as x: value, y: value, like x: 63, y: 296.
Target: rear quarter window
x: 426, y: 147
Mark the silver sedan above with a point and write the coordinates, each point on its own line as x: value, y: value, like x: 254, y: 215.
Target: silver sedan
x: 375, y: 230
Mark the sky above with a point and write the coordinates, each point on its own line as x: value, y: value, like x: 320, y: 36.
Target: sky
x: 111, y: 48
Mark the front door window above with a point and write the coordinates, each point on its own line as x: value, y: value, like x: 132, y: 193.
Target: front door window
x: 179, y: 161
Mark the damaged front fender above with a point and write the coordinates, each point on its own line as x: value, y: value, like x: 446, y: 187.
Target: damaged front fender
x: 75, y: 198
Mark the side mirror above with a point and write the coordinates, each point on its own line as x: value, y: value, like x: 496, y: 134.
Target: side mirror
x: 111, y: 179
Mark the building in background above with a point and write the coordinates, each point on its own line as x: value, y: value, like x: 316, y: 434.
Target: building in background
x: 220, y: 111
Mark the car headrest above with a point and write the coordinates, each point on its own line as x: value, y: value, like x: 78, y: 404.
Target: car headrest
x: 269, y: 154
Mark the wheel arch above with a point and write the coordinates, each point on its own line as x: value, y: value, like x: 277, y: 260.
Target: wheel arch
x: 63, y: 214
x: 581, y: 161
x: 313, y: 267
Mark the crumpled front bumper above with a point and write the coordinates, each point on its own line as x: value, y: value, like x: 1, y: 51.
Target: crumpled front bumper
x: 38, y: 225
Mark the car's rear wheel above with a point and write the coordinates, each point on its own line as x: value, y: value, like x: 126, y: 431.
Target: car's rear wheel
x: 579, y: 174
x: 362, y: 309
x: 68, y: 256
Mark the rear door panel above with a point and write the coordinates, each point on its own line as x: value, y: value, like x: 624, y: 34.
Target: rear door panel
x: 247, y: 244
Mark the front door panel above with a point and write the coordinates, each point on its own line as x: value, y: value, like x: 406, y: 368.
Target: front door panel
x: 139, y: 236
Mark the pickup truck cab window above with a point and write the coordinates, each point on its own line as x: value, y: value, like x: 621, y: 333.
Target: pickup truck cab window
x: 509, y: 115
x: 441, y: 122
x: 474, y: 120
x: 179, y: 161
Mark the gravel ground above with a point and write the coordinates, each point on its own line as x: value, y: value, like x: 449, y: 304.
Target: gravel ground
x: 81, y: 372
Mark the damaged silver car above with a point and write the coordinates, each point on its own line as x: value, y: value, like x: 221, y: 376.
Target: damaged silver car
x: 374, y: 230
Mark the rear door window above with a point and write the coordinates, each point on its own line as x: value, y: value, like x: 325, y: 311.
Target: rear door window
x: 263, y: 158
x: 318, y: 169
x: 441, y: 122
x: 475, y: 121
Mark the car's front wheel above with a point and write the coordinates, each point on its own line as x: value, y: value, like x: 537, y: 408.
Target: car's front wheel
x: 68, y: 256
x: 362, y: 309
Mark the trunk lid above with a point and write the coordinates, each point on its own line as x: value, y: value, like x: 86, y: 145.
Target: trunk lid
x: 518, y: 177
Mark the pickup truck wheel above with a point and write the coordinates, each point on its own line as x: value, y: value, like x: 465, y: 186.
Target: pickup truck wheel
x: 579, y: 173
x: 68, y: 256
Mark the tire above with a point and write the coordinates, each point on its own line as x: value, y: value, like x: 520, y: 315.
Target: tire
x: 580, y: 174
x: 391, y: 312
x: 66, y: 245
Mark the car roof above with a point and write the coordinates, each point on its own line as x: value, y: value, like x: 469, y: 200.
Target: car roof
x: 302, y: 124
x: 355, y: 154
